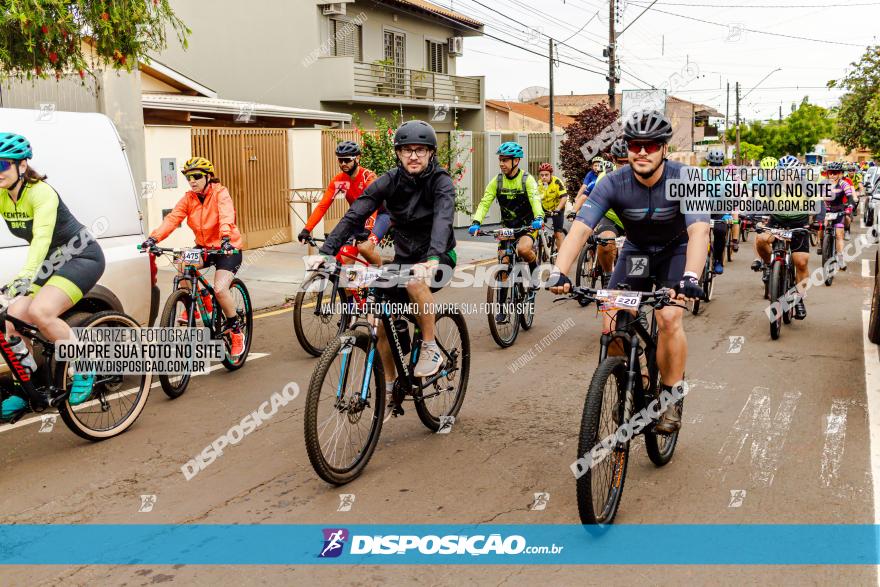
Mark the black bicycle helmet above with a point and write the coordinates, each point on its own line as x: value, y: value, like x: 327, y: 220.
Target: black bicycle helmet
x: 415, y: 132
x: 715, y: 157
x: 647, y: 125
x: 348, y: 149
x: 618, y: 149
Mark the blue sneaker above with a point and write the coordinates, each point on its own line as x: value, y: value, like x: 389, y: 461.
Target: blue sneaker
x: 719, y: 268
x: 81, y: 389
x: 12, y: 406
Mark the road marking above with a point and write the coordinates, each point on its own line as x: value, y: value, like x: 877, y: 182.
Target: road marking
x: 767, y: 435
x: 736, y: 344
x: 39, y: 417
x: 866, y: 268
x: 835, y: 442
x: 872, y: 386
x: 275, y: 313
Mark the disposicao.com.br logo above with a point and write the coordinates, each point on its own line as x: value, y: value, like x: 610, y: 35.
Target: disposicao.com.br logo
x: 477, y: 545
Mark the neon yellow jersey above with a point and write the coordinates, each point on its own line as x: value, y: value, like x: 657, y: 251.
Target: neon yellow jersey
x: 551, y: 193
x: 517, y: 197
x: 610, y: 214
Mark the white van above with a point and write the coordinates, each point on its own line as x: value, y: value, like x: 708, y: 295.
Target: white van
x: 84, y: 160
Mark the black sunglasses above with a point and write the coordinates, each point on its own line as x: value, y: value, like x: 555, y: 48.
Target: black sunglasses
x: 196, y: 176
x: 345, y: 159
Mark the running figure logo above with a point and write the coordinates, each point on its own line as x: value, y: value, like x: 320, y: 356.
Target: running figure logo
x: 638, y: 266
x: 334, y: 540
x: 346, y: 501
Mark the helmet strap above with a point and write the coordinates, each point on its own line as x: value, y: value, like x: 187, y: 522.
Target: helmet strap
x: 19, y: 179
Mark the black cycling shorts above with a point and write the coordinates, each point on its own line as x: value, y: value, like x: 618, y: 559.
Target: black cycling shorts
x: 231, y: 263
x: 642, y: 271
x: 442, y: 275
x: 75, y: 275
x: 607, y: 225
x: 557, y: 219
x: 800, y: 242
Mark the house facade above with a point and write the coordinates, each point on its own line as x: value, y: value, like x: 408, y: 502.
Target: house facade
x: 350, y: 56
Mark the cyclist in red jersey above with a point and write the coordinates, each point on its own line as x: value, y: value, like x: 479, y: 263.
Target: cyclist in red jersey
x: 351, y: 183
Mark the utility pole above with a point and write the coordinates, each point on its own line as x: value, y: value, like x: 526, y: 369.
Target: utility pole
x: 738, y: 156
x: 612, y: 59
x: 551, y: 90
x: 726, y: 115
x: 780, y: 112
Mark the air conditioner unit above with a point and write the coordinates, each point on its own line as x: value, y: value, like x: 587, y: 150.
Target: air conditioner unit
x: 456, y: 45
x: 334, y: 9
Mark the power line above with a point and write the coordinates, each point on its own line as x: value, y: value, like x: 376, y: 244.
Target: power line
x: 768, y: 5
x: 727, y: 26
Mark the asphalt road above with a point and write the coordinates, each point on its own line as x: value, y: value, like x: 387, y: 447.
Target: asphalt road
x: 774, y: 432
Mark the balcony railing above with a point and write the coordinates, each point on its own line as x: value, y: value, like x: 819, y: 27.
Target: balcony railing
x: 389, y: 81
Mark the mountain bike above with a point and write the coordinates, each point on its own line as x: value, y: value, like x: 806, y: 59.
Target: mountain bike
x: 345, y: 406
x: 546, y: 244
x: 617, y: 392
x: 588, y: 272
x: 746, y: 225
x: 184, y: 310
x: 707, y: 277
x: 781, y: 276
x: 509, y: 290
x: 828, y: 243
x: 116, y: 400
x: 322, y: 310
x: 728, y: 244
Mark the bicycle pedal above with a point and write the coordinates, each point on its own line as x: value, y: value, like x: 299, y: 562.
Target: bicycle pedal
x: 396, y: 409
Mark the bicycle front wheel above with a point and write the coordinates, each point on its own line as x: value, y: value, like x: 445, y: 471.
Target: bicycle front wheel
x: 116, y: 400
x: 178, y: 303
x: 828, y: 254
x: 775, y: 286
x: 443, y: 398
x: 342, y: 420
x: 603, y: 472
x: 315, y: 319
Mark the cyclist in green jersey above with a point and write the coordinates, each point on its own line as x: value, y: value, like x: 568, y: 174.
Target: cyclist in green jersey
x: 64, y: 261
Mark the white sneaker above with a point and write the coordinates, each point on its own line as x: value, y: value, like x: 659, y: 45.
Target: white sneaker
x: 429, y: 362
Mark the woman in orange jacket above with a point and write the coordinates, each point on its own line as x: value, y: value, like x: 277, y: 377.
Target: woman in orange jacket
x: 210, y: 213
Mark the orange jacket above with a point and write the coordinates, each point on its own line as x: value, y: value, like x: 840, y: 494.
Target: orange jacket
x: 209, y: 221
x: 350, y: 187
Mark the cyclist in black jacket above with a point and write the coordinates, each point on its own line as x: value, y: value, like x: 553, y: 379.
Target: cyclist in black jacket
x: 420, y: 198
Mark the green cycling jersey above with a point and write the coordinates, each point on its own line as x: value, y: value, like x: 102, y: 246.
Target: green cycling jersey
x: 518, y: 208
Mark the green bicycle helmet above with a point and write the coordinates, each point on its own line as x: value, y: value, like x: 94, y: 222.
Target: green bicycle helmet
x: 14, y: 146
x: 769, y: 162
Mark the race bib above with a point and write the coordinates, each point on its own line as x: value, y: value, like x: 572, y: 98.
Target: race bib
x: 505, y: 233
x: 192, y: 256
x: 610, y: 299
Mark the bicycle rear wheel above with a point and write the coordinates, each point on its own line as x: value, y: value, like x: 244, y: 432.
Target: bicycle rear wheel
x: 245, y: 311
x: 600, y: 486
x: 315, y: 319
x: 828, y: 254
x: 116, y: 400
x: 660, y: 447
x: 500, y: 294
x: 585, y: 272
x: 444, y: 397
x: 342, y: 426
x: 526, y: 302
x: 178, y: 302
x: 729, y: 245
x: 775, y: 287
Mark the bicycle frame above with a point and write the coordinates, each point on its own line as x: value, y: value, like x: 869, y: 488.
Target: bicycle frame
x: 639, y: 340
x: 195, y: 279
x: 19, y: 371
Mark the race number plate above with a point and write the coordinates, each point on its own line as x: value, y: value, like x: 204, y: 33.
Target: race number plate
x: 831, y: 216
x: 785, y: 234
x: 618, y: 300
x: 504, y: 233
x: 361, y: 276
x: 192, y: 256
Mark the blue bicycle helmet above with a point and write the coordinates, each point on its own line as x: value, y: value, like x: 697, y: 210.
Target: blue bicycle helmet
x: 789, y: 161
x: 834, y: 166
x: 511, y: 149
x: 14, y: 146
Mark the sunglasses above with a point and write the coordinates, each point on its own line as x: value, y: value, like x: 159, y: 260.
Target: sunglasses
x: 345, y: 159
x: 636, y: 148
x: 196, y: 176
x: 6, y: 164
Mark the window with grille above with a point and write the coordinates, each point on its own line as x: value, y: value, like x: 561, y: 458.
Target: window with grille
x: 437, y: 57
x: 347, y: 38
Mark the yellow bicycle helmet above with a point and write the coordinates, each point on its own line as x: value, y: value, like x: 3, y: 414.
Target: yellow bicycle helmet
x: 198, y: 164
x: 769, y: 163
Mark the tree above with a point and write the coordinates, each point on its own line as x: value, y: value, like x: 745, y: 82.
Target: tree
x: 798, y: 133
x: 858, y: 117
x: 749, y: 152
x: 587, y: 126
x: 37, y: 38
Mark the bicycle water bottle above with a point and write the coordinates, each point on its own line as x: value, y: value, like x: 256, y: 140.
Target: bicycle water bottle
x: 22, y: 353
x: 402, y: 328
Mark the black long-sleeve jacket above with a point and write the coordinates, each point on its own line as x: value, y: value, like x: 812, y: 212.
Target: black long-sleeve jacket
x: 421, y: 209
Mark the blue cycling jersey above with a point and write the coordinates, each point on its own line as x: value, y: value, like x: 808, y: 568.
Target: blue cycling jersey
x: 652, y: 222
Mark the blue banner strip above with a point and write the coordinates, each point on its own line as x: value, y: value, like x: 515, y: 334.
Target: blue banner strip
x: 57, y: 544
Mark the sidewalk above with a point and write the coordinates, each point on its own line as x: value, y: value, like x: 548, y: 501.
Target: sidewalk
x: 272, y: 274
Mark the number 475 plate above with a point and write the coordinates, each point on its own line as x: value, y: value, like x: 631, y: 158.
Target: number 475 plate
x: 618, y: 299
x: 192, y: 256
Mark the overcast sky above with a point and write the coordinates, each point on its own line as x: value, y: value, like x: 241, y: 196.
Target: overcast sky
x: 658, y: 44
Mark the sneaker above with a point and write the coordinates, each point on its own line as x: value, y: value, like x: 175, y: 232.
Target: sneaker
x: 501, y: 318
x: 800, y: 310
x: 12, y: 406
x: 81, y: 389
x: 184, y: 316
x: 670, y: 421
x: 236, y: 343
x: 735, y: 245
x: 718, y: 269
x: 757, y: 265
x: 429, y: 362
